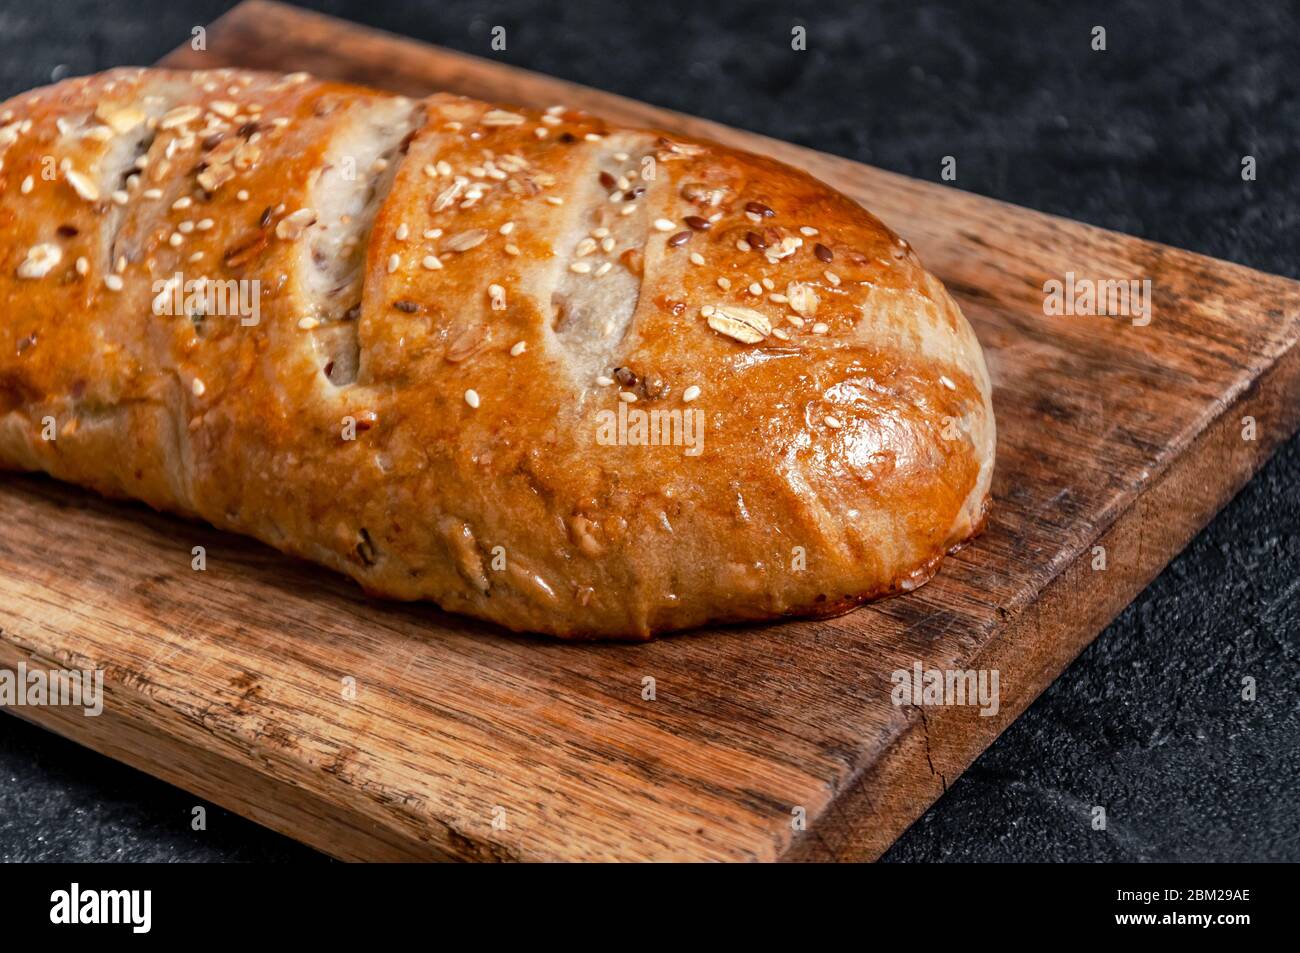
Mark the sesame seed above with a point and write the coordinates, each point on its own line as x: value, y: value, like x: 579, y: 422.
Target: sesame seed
x: 152, y: 193
x: 242, y: 195
x: 664, y: 225
x: 807, y: 230
x: 433, y: 233
x: 82, y: 185
x: 402, y: 232
x: 627, y: 209
x: 183, y: 202
x: 518, y: 348
x: 500, y: 117
x: 540, y: 132
x: 197, y: 387
x: 498, y: 296
x: 603, y: 269
x: 82, y: 266
x: 27, y: 185
x: 833, y: 278
x: 724, y: 284
x: 697, y: 258
x: 604, y: 381
x: 113, y: 282
x: 471, y: 398
x: 756, y: 289
x: 175, y: 239
x: 179, y: 116
x: 833, y: 422
x: 512, y: 249
x: 947, y: 383
x: 204, y: 224
x: 394, y: 262
x: 820, y: 328
x: 627, y: 397
x: 690, y: 394
x: 580, y: 267
x: 507, y: 228
x: 742, y: 245
x: 555, y: 200
x: 119, y: 197
x: 308, y: 323
x: 431, y: 262
x: 40, y: 260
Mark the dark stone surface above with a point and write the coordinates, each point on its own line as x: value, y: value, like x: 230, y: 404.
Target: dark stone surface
x: 1146, y: 138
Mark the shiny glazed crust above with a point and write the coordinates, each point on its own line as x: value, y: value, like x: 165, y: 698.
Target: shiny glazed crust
x: 462, y: 312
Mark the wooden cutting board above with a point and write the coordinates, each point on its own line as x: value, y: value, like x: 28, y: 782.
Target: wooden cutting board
x: 466, y: 742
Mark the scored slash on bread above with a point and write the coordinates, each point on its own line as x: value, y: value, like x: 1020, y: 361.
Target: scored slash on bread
x: 430, y: 312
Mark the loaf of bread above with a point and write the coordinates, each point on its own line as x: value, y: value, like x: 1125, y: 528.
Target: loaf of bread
x: 567, y: 377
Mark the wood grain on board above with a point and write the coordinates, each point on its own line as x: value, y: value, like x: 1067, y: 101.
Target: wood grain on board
x: 466, y: 742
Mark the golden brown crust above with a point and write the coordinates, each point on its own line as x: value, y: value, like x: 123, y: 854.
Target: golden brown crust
x: 432, y: 404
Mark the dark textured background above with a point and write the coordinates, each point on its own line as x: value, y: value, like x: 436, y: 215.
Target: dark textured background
x: 1145, y: 138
